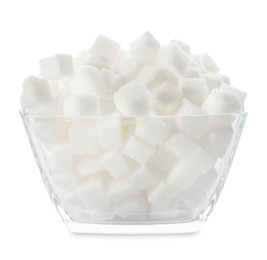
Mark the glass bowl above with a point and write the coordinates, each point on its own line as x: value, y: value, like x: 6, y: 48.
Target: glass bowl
x: 134, y: 175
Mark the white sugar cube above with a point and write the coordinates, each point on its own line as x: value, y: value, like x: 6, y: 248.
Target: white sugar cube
x: 50, y: 132
x: 117, y: 164
x: 181, y: 177
x: 185, y: 46
x: 221, y: 121
x: 153, y: 130
x: 64, y: 182
x: 168, y: 96
x: 207, y: 181
x: 82, y: 105
x: 192, y: 72
x: 151, y: 77
x: 128, y: 67
x: 106, y: 49
x: 226, y: 79
x: 213, y: 81
x: 83, y: 139
x: 87, y: 58
x: 194, y: 89
x: 209, y: 63
x: 121, y: 190
x: 135, y: 209
x: 240, y: 95
x: 56, y: 67
x: 133, y: 99
x: 111, y: 81
x: 143, y: 177
x: 60, y: 160
x: 107, y: 105
x: 163, y: 159
x: 93, y: 193
x: 221, y: 102
x: 201, y: 160
x: 173, y: 58
x: 190, y: 121
x: 36, y: 93
x: 160, y: 194
x: 89, y: 165
x: 145, y: 48
x: 138, y: 150
x: 109, y: 133
x: 87, y: 79
x: 181, y: 145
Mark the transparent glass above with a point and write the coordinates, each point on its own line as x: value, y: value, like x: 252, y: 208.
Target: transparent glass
x: 134, y: 175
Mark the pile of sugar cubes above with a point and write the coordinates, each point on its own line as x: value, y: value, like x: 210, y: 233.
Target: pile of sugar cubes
x: 132, y: 135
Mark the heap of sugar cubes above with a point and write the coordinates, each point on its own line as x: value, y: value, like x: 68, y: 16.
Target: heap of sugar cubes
x: 132, y: 135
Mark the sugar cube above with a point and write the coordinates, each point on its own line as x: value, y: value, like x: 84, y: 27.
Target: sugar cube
x: 221, y: 102
x: 143, y: 177
x: 133, y: 99
x: 88, y: 165
x: 145, y: 48
x: 106, y: 49
x: 153, y: 130
x: 192, y: 72
x: 117, y: 164
x: 240, y: 95
x: 111, y: 81
x: 87, y: 58
x: 213, y: 81
x: 173, y: 58
x: 36, y: 93
x: 209, y: 63
x: 83, y: 139
x: 56, y: 67
x: 109, y: 133
x: 163, y: 159
x: 82, y: 105
x: 194, y: 89
x: 138, y: 150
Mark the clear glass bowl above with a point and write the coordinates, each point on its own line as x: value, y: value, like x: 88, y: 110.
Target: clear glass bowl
x: 134, y: 175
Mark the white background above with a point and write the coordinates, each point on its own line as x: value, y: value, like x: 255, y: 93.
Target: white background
x: 233, y: 32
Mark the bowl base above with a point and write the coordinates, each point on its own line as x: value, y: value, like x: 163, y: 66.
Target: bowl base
x: 135, y: 229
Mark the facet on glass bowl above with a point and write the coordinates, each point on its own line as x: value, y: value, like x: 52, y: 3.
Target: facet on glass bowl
x: 134, y: 175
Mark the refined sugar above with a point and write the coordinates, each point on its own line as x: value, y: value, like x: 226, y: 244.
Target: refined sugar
x: 56, y: 67
x: 135, y: 209
x: 190, y: 120
x: 87, y: 58
x: 121, y: 190
x: 181, y: 145
x: 111, y: 81
x: 221, y: 121
x: 221, y: 102
x: 168, y: 96
x: 107, y: 105
x: 153, y: 129
x: 173, y: 58
x: 87, y: 79
x: 88, y: 165
x: 181, y: 177
x: 206, y: 182
x: 50, y: 132
x: 106, y: 49
x: 201, y: 160
x: 128, y: 67
x: 163, y: 159
x: 160, y: 194
x: 133, y: 99
x: 82, y: 105
x: 83, y: 139
x: 213, y: 81
x: 226, y: 79
x: 143, y: 177
x: 60, y: 160
x: 192, y: 72
x: 109, y: 133
x: 36, y: 93
x: 138, y: 150
x: 240, y: 95
x: 145, y: 48
x: 93, y: 193
x: 117, y: 164
x: 209, y: 63
x: 184, y: 46
x: 194, y: 89
x: 64, y: 183
x: 151, y: 77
